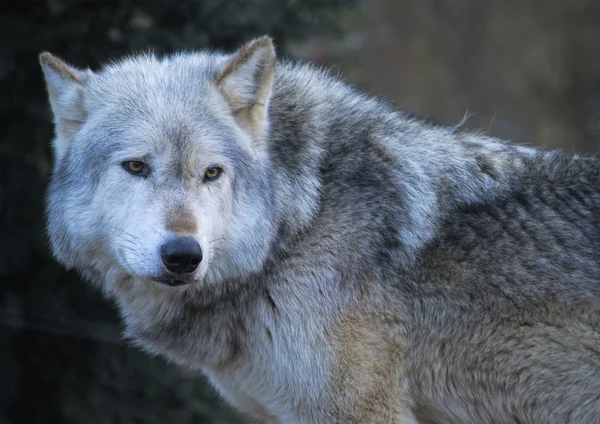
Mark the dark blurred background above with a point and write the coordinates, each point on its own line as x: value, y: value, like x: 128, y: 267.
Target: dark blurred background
x: 525, y: 70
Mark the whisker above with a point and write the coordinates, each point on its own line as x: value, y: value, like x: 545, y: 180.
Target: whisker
x: 125, y: 236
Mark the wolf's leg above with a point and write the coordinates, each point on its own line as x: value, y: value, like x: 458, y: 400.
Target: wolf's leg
x: 378, y: 411
x: 370, y: 384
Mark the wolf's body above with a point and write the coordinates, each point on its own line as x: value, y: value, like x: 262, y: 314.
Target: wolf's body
x: 358, y: 266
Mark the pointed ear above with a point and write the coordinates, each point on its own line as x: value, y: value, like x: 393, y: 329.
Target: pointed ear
x: 65, y: 86
x: 246, y: 83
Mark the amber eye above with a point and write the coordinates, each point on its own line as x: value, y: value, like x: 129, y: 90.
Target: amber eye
x: 135, y: 167
x: 212, y: 173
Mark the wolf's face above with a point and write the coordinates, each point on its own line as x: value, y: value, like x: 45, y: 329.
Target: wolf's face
x: 161, y: 169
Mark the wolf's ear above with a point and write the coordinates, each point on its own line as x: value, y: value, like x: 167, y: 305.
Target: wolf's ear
x: 246, y: 83
x: 65, y: 86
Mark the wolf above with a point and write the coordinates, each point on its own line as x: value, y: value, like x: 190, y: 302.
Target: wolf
x: 321, y: 256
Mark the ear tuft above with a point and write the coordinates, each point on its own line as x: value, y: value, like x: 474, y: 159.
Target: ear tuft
x: 246, y: 83
x: 53, y: 66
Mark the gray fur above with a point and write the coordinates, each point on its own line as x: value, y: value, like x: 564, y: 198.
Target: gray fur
x: 363, y: 266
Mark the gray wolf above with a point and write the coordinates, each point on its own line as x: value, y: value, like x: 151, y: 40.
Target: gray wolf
x: 321, y: 256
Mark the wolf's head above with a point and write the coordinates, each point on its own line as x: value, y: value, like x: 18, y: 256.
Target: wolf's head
x: 161, y: 167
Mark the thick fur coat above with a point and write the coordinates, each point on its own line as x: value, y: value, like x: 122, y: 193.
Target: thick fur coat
x: 358, y: 265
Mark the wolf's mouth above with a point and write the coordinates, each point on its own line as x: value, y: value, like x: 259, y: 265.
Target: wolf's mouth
x: 171, y: 282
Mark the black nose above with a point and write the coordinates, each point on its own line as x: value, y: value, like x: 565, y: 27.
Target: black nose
x: 181, y: 255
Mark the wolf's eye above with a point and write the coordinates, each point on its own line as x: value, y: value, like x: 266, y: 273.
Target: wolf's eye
x: 135, y: 167
x: 212, y: 173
